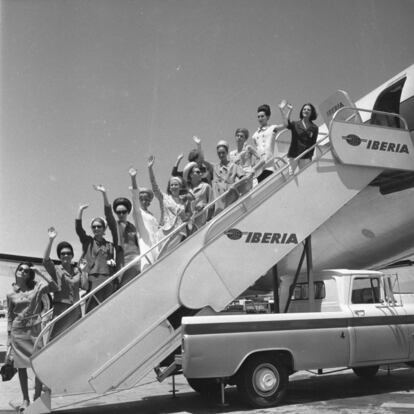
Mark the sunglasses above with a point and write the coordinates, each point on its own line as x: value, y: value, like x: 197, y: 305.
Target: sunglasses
x: 24, y: 270
x: 121, y: 211
x: 64, y: 253
x: 98, y: 226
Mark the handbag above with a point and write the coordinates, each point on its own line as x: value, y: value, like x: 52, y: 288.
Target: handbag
x: 8, y: 370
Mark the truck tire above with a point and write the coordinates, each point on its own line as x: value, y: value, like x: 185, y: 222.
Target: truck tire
x: 410, y: 364
x: 263, y: 381
x: 366, y: 372
x: 204, y: 386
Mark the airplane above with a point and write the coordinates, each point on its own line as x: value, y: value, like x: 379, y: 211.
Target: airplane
x: 364, y: 222
x: 375, y: 228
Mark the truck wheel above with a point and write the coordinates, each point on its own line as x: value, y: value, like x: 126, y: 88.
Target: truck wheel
x: 366, y: 372
x: 410, y: 363
x: 204, y: 386
x: 263, y: 381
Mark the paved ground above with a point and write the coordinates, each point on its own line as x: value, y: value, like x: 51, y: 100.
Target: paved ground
x: 334, y: 393
x: 341, y: 392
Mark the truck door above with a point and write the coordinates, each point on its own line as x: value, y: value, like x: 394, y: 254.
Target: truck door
x: 375, y: 328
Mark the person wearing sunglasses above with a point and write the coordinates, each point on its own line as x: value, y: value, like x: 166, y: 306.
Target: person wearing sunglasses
x: 195, y: 155
x: 25, y: 323
x: 69, y: 279
x: 125, y: 232
x: 99, y: 255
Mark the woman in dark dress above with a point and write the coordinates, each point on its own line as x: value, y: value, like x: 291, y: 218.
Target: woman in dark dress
x: 69, y: 279
x: 304, y: 134
x: 99, y: 255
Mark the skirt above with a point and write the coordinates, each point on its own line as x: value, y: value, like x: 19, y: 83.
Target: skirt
x: 22, y: 344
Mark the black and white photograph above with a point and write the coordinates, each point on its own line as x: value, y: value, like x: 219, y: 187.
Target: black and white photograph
x: 207, y: 206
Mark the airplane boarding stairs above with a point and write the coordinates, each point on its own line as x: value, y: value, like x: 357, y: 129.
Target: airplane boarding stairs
x: 121, y: 340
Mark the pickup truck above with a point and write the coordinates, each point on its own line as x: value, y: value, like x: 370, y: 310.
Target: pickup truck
x: 357, y: 319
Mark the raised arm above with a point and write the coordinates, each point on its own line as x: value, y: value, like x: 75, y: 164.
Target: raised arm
x: 133, y: 174
x: 154, y: 185
x: 136, y: 211
x: 197, y: 140
x: 51, y: 232
x: 175, y: 172
x: 285, y: 114
x: 100, y: 188
x: 157, y: 192
x: 47, y: 263
x: 108, y: 213
x: 80, y: 231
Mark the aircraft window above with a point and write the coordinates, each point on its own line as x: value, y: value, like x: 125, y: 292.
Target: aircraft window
x: 388, y: 101
x: 366, y: 290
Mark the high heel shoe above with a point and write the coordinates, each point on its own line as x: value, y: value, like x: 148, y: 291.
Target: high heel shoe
x: 24, y: 405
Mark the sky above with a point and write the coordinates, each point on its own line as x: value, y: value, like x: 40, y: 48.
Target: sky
x: 90, y: 88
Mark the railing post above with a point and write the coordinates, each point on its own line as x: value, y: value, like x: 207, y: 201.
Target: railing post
x: 309, y: 272
x: 275, y: 289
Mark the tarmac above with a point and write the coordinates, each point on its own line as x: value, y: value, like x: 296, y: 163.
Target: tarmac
x: 339, y: 392
x: 389, y: 392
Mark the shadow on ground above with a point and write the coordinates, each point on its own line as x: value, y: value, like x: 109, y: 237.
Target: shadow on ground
x: 333, y: 391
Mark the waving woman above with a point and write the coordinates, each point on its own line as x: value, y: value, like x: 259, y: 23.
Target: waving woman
x: 175, y: 207
x: 99, y: 256
x: 69, y: 279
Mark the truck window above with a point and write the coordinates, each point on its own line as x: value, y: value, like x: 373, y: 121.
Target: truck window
x: 301, y: 291
x: 320, y: 292
x: 366, y: 290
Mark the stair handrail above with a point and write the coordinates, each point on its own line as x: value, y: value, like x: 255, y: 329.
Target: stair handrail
x: 137, y: 259
x: 371, y: 111
x: 111, y: 278
x: 209, y: 237
x: 272, y: 162
x: 118, y: 273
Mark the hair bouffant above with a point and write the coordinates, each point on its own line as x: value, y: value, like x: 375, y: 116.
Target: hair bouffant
x: 63, y: 245
x: 264, y: 108
x: 313, y: 114
x: 122, y: 201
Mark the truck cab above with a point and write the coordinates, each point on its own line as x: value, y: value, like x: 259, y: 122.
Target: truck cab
x: 357, y: 319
